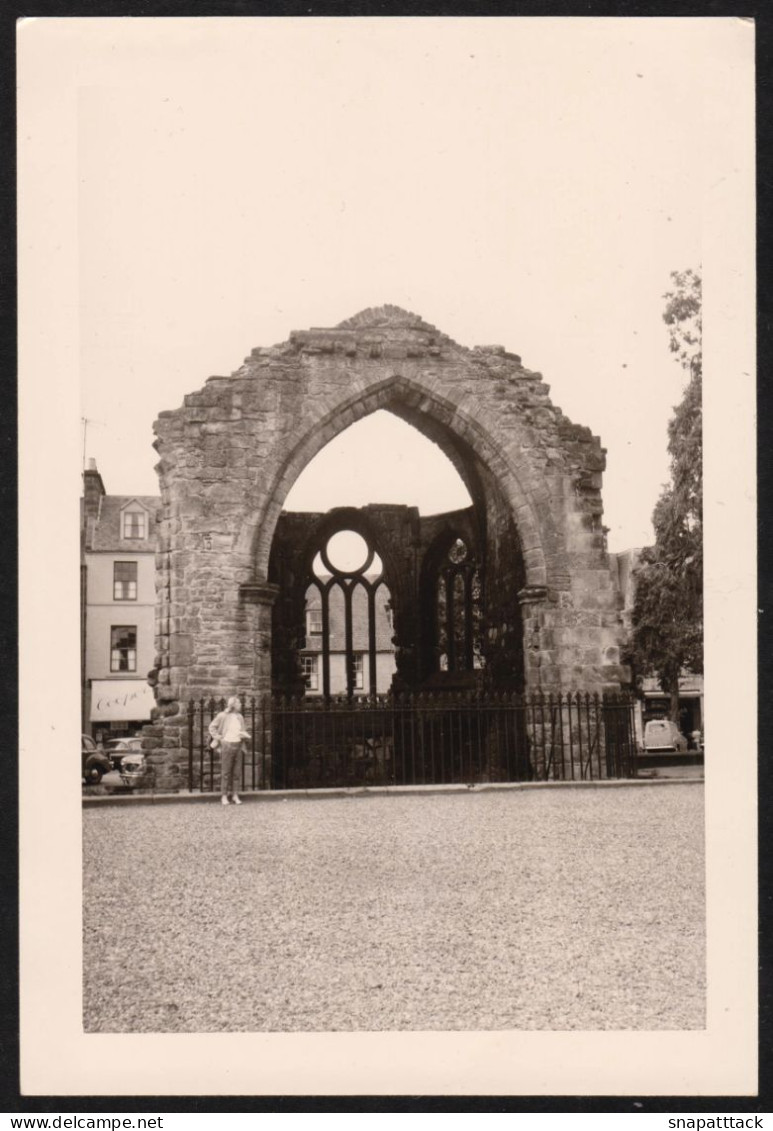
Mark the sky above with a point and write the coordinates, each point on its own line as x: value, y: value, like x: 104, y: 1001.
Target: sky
x: 530, y: 183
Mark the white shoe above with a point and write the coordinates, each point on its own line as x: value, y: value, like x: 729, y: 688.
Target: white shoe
x: 224, y: 800
x: 236, y: 799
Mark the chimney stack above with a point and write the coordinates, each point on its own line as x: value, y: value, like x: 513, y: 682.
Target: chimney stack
x: 93, y: 490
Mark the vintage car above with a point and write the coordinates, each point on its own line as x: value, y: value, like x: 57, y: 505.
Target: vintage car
x: 134, y: 769
x: 117, y: 748
x: 94, y: 762
x: 663, y: 735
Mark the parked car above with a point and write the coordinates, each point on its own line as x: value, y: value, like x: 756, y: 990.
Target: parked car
x: 664, y: 735
x: 94, y: 762
x: 117, y: 748
x: 134, y: 768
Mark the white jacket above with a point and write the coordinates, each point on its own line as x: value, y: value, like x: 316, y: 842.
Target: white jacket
x: 228, y: 726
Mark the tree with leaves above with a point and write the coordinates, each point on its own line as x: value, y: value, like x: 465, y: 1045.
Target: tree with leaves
x: 667, y: 617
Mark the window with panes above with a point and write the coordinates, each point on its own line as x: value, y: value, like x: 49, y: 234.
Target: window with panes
x: 123, y: 648
x: 124, y: 581
x: 134, y: 524
x: 310, y: 669
x: 314, y: 622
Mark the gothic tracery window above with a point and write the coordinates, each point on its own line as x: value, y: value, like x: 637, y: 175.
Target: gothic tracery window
x: 347, y: 604
x: 458, y: 596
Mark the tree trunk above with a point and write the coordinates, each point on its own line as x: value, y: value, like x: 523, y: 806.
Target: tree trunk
x: 673, y: 694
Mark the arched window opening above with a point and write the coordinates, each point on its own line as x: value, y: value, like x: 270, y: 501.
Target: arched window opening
x: 458, y: 604
x: 425, y: 631
x: 347, y: 648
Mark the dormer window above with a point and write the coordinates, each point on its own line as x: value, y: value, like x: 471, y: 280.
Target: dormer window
x: 134, y: 523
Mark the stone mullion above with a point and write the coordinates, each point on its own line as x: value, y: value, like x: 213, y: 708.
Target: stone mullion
x: 468, y: 619
x: 325, y: 592
x: 448, y: 579
x: 372, y: 671
x: 349, y: 637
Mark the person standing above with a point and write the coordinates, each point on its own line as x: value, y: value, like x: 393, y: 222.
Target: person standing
x: 227, y: 733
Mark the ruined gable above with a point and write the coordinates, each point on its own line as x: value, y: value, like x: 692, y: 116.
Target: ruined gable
x: 230, y: 454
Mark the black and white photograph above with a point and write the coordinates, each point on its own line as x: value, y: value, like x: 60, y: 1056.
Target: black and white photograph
x: 386, y: 429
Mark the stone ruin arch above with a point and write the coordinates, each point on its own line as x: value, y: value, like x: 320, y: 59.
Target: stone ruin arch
x: 467, y: 444
x: 230, y: 454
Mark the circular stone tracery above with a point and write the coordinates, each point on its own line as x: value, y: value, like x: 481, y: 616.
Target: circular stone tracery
x: 347, y: 554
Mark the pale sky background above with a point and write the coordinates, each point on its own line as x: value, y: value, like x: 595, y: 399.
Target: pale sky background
x: 524, y: 182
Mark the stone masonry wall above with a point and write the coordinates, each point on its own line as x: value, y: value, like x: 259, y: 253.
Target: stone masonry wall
x: 231, y: 452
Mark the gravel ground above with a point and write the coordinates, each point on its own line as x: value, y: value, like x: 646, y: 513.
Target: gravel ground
x: 562, y: 909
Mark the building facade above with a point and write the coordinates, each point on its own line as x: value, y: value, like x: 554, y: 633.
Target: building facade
x: 118, y: 602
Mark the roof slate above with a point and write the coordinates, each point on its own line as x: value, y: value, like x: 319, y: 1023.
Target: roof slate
x: 103, y: 534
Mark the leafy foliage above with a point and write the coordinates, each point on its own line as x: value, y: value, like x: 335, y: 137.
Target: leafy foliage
x: 668, y: 606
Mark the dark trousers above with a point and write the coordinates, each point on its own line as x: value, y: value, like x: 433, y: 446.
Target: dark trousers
x: 229, y: 760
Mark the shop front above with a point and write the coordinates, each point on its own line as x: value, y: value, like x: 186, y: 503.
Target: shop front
x: 119, y: 707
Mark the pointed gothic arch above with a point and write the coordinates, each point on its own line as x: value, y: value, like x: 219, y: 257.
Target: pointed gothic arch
x: 473, y: 451
x: 229, y: 455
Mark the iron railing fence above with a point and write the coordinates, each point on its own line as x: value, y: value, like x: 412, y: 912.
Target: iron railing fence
x: 311, y: 742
